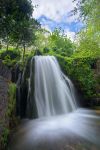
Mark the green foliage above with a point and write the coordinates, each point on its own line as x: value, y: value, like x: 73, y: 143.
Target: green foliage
x: 4, y: 137
x: 88, y: 9
x: 88, y: 42
x: 17, y: 26
x: 60, y: 44
x: 80, y: 70
x: 55, y: 43
x: 42, y: 39
x: 88, y: 48
x: 89, y: 37
x: 13, y: 12
x: 12, y: 99
x: 10, y: 57
x: 13, y: 54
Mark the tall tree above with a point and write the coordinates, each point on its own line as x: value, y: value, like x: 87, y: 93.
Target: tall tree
x: 16, y: 22
x: 6, y: 19
x: 25, y: 33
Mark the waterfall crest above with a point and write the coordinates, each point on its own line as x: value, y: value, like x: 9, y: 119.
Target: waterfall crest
x: 53, y: 91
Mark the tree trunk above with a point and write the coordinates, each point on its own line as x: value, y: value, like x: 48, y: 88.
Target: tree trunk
x: 24, y: 51
x: 7, y: 47
x: 17, y: 46
x: 7, y: 44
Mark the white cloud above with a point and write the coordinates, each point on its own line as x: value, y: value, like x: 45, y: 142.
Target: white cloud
x: 58, y: 11
x: 70, y: 34
x: 46, y: 27
x: 53, y: 9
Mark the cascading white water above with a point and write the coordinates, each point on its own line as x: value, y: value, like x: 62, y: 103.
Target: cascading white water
x: 54, y: 93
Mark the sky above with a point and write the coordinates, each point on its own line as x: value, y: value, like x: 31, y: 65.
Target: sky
x: 57, y: 14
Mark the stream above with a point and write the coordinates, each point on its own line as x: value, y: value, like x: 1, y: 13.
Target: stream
x: 75, y: 131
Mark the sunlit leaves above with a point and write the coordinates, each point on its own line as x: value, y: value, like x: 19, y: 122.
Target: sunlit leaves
x: 54, y: 43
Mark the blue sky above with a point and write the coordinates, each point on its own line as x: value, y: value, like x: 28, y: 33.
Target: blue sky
x: 56, y: 14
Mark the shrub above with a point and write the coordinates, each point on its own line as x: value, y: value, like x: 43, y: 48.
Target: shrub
x: 12, y: 99
x: 81, y: 71
x: 13, y: 54
x: 10, y: 57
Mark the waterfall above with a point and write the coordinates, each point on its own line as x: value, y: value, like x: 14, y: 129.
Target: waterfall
x: 50, y: 91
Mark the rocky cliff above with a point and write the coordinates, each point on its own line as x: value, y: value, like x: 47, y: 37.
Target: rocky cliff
x: 7, y: 103
x: 4, y: 121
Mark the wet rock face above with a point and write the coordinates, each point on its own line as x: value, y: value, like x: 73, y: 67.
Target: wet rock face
x: 15, y: 71
x: 23, y: 99
x: 4, y: 122
x: 4, y: 71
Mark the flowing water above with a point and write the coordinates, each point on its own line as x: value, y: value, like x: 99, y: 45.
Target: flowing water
x: 60, y: 125
x: 54, y: 92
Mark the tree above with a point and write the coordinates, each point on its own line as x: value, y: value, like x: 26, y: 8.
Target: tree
x: 61, y: 44
x: 42, y: 39
x: 89, y: 37
x: 6, y: 19
x: 88, y: 44
x: 16, y: 21
x: 25, y: 34
x: 89, y: 13
x: 54, y: 42
x: 87, y: 9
